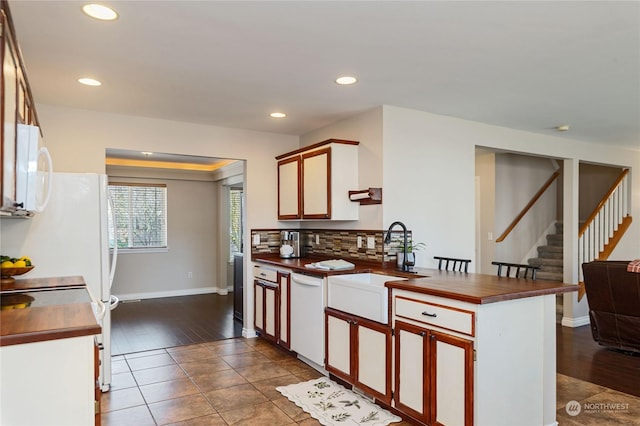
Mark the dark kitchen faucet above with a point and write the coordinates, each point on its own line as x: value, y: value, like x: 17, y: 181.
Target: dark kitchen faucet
x: 387, y: 240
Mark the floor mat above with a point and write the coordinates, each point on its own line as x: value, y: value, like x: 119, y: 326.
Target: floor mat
x: 332, y: 404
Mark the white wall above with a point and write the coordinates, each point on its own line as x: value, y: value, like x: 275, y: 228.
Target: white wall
x: 429, y: 169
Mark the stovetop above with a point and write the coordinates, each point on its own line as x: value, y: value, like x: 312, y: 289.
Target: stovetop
x: 45, y: 297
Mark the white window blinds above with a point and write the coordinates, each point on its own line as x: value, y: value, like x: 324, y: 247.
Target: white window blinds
x: 141, y: 215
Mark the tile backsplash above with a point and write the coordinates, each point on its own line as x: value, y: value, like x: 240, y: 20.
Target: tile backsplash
x: 334, y: 243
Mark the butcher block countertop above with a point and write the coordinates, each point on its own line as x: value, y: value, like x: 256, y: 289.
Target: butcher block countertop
x: 478, y: 288
x: 68, y: 314
x: 298, y: 265
x: 472, y: 288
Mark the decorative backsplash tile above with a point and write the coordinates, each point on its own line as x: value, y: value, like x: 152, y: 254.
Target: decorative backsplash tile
x: 334, y: 243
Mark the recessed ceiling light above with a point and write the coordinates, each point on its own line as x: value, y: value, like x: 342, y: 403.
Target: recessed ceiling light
x: 89, y: 82
x: 278, y: 115
x: 346, y: 80
x: 146, y: 153
x: 562, y: 127
x: 99, y: 11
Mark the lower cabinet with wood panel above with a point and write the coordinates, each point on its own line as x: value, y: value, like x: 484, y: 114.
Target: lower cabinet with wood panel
x: 266, y: 308
x: 358, y: 351
x: 272, y: 304
x: 433, y: 375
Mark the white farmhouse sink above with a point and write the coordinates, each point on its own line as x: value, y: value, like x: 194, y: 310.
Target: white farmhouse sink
x: 361, y: 294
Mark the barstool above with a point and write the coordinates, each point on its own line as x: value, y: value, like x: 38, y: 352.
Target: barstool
x: 456, y: 264
x: 517, y: 268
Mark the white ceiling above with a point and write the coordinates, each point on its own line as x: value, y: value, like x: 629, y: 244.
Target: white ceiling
x: 524, y: 65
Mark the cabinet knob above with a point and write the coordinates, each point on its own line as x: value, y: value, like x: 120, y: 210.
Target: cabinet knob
x: 425, y: 313
x: 423, y: 333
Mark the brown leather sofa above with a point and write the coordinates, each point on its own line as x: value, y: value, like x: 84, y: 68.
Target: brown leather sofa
x: 613, y: 295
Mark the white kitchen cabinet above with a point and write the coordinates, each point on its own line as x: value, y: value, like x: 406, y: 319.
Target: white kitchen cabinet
x: 314, y: 182
x: 266, y: 308
x: 272, y: 304
x: 284, y: 306
x: 461, y: 363
x: 289, y: 202
x: 359, y: 352
x: 434, y: 375
x: 48, y: 383
x: 17, y: 107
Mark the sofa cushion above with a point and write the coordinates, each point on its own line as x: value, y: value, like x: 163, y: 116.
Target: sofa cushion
x: 613, y: 294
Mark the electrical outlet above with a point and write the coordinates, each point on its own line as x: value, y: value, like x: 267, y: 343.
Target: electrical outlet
x: 189, y: 274
x: 256, y: 239
x: 490, y: 236
x: 359, y: 241
x: 371, y: 242
x: 317, y: 238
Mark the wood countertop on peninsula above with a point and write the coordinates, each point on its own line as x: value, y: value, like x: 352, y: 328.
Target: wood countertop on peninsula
x: 58, y: 321
x: 478, y: 288
x: 466, y: 287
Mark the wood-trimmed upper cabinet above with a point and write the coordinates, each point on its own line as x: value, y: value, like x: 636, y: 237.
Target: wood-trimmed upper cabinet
x: 17, y: 106
x: 314, y: 182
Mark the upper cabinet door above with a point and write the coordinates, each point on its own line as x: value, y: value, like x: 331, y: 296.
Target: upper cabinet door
x: 289, y: 206
x: 316, y: 184
x: 9, y: 119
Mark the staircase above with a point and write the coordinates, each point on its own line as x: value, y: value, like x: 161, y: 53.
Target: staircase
x: 550, y: 257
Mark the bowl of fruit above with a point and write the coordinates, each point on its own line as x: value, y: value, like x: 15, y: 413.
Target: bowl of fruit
x: 12, y: 266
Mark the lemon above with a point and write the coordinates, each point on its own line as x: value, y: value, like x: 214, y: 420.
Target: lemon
x: 20, y: 264
x: 25, y: 258
x: 7, y: 264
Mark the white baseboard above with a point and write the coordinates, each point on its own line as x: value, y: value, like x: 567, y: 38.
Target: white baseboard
x: 575, y: 322
x: 249, y: 333
x: 173, y: 293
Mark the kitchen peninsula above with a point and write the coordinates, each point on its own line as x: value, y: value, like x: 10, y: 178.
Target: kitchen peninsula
x: 464, y: 348
x: 47, y: 329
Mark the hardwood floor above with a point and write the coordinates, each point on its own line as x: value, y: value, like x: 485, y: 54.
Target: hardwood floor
x: 173, y: 321
x: 177, y: 321
x: 580, y: 357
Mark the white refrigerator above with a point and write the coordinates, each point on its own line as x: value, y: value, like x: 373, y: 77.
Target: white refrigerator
x: 71, y: 237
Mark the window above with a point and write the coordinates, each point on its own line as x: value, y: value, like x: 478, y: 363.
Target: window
x: 235, y: 220
x: 141, y: 215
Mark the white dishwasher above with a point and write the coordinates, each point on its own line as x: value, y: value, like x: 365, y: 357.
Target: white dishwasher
x: 308, y: 294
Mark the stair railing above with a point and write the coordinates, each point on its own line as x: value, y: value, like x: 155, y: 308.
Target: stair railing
x: 602, y: 230
x: 530, y: 204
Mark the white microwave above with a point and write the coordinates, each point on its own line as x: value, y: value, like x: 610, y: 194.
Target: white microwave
x: 34, y: 171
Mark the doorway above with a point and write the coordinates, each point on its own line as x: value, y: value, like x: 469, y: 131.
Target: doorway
x: 182, y: 292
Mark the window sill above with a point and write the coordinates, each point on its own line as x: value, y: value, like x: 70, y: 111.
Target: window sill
x: 142, y: 250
